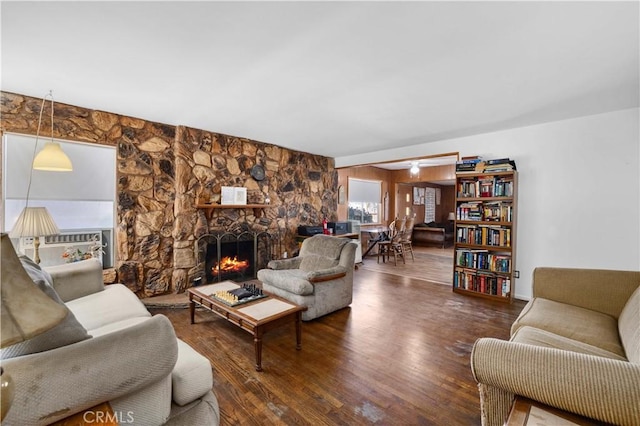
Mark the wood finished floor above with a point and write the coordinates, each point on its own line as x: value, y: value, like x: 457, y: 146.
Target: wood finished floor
x: 433, y: 264
x: 399, y: 355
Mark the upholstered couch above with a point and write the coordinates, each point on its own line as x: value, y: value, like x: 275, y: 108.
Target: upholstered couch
x: 320, y: 277
x: 575, y: 346
x: 108, y: 348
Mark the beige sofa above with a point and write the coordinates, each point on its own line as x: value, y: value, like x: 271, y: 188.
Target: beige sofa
x: 575, y: 346
x: 108, y: 348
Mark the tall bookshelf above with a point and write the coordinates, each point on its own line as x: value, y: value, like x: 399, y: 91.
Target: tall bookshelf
x: 485, y: 234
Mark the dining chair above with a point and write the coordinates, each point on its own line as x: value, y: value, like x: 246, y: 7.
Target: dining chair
x: 383, y: 245
x: 407, y: 235
x: 393, y: 245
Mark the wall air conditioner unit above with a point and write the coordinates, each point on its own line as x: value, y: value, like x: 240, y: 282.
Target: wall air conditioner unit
x: 53, y: 247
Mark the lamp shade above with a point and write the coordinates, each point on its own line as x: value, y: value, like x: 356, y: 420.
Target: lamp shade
x: 34, y: 222
x: 26, y: 310
x: 52, y: 158
x: 451, y: 216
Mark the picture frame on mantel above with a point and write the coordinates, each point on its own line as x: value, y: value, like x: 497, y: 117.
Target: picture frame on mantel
x: 231, y: 195
x: 240, y: 195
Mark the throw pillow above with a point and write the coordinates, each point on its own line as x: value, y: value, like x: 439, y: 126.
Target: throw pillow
x: 41, y: 278
x: 67, y: 332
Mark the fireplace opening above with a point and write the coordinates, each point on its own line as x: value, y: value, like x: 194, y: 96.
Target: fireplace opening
x: 234, y: 261
x: 236, y: 257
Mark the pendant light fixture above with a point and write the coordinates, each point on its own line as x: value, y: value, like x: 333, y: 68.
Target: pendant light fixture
x: 52, y: 157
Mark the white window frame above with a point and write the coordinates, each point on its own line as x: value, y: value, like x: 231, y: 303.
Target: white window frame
x: 365, y: 195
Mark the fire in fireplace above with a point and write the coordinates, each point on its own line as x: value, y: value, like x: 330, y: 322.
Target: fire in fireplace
x: 228, y: 264
x: 231, y: 258
x: 237, y: 257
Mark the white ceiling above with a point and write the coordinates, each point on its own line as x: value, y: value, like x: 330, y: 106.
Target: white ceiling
x: 330, y: 78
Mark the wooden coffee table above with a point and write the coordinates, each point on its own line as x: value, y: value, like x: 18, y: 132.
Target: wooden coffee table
x: 256, y: 317
x: 526, y: 412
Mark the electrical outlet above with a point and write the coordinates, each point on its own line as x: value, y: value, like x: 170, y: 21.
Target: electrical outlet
x: 516, y: 274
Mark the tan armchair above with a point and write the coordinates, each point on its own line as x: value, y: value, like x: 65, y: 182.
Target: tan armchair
x: 575, y: 346
x: 320, y: 278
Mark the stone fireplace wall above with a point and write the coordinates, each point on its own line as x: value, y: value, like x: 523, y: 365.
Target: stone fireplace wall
x: 164, y: 170
x: 300, y: 186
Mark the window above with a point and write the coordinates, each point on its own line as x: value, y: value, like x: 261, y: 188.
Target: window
x: 79, y: 201
x: 364, y: 200
x: 83, y: 198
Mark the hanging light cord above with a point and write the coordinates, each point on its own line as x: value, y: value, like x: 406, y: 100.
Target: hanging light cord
x: 35, y: 148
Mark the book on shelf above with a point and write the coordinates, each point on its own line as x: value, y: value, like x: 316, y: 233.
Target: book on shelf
x: 483, y: 260
x: 467, y: 188
x: 499, y: 165
x: 481, y: 282
x: 466, y: 166
x: 503, y: 187
x: 469, y: 211
x: 477, y: 165
x: 485, y: 187
x: 498, y: 161
x: 469, y: 167
x: 497, y: 169
x: 469, y: 164
x: 498, y: 211
x: 489, y: 186
x: 484, y: 235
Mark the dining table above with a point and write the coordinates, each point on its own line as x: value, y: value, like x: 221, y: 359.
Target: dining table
x: 376, y: 235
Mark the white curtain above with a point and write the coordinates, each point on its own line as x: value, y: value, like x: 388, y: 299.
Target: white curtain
x: 430, y: 205
x: 365, y: 191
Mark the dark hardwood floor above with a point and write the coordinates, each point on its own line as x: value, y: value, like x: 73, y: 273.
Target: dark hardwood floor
x: 399, y: 355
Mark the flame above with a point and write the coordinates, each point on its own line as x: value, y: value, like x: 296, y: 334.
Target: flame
x: 228, y: 264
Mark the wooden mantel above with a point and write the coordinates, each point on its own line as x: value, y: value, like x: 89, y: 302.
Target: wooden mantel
x: 209, y: 208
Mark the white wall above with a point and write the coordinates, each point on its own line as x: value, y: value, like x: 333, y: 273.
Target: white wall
x: 578, y: 194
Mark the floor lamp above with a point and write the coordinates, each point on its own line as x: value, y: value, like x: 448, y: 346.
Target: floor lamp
x: 36, y: 221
